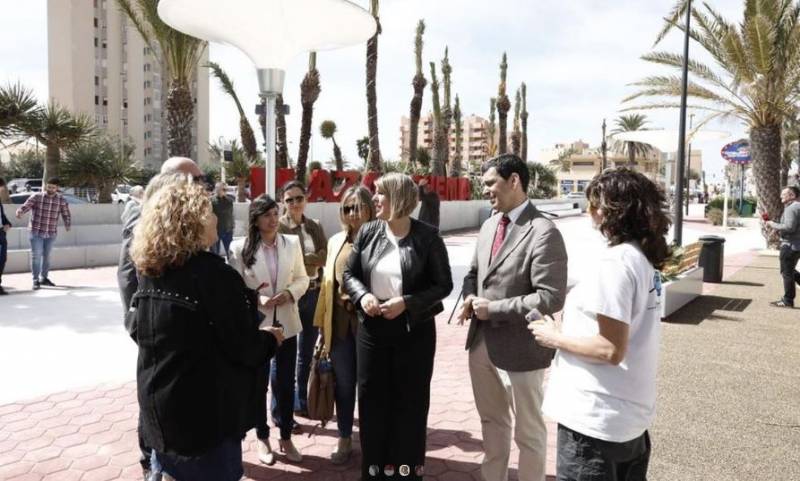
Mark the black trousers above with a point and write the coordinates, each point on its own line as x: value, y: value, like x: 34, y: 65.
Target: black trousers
x: 788, y: 259
x: 3, y: 252
x: 584, y: 458
x: 395, y: 367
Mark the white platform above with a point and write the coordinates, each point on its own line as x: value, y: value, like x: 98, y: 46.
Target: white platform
x: 682, y: 291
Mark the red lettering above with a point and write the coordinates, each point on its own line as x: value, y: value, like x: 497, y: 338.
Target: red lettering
x: 320, y: 186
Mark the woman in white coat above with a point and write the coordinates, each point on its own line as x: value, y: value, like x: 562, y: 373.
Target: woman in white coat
x: 272, y: 264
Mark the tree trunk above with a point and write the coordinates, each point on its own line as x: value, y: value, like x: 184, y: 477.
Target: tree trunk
x: 503, y: 106
x: 180, y: 115
x: 104, y: 192
x: 416, y: 109
x: 515, y: 143
x: 631, y: 155
x: 437, y: 163
x: 281, y: 148
x: 374, y: 158
x: 524, y: 140
x: 241, y: 193
x: 766, y: 151
x: 337, y: 156
x: 309, y: 93
x: 248, y: 139
x: 51, y: 160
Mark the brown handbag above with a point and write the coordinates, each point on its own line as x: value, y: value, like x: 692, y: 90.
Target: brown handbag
x: 320, y: 385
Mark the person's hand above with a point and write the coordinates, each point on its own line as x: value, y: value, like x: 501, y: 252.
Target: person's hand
x: 393, y: 307
x: 480, y: 306
x: 770, y: 224
x: 18, y: 213
x: 546, y: 332
x: 275, y: 331
x: 465, y: 312
x: 371, y: 305
x: 6, y: 228
x: 282, y: 298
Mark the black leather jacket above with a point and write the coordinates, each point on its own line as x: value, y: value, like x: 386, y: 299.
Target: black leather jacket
x: 200, y: 352
x: 424, y: 264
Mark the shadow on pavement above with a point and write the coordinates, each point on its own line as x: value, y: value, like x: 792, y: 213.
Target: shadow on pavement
x: 705, y: 307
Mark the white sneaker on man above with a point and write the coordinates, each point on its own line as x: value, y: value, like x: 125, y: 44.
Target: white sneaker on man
x: 265, y: 454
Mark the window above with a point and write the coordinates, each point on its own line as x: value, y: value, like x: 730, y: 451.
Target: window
x: 125, y: 104
x: 105, y: 101
x: 96, y: 100
x: 147, y: 84
x: 96, y: 80
x: 95, y: 22
x: 148, y: 101
x: 95, y: 42
x: 105, y: 45
x: 147, y: 67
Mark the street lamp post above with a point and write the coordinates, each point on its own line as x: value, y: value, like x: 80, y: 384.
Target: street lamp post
x: 678, y: 204
x: 604, y: 148
x: 689, y: 165
x: 271, y: 33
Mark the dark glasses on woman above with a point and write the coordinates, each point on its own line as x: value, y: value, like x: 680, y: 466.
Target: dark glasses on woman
x: 295, y: 200
x: 349, y: 209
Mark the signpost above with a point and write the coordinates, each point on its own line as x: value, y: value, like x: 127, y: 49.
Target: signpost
x: 738, y: 153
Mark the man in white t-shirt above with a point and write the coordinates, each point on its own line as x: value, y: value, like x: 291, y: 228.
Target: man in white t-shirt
x: 602, y: 386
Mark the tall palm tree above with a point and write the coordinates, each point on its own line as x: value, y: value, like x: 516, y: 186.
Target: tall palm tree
x: 327, y: 129
x: 631, y: 123
x: 447, y: 111
x: 246, y: 134
x: 455, y: 166
x: 755, y: 80
x: 543, y: 181
x: 491, y: 147
x: 503, y: 106
x: 57, y: 128
x: 437, y: 156
x: 17, y: 104
x: 362, y: 145
x: 515, y: 131
x: 181, y: 54
x: 419, y: 84
x: 374, y: 162
x: 281, y: 144
x: 309, y: 93
x: 524, y: 119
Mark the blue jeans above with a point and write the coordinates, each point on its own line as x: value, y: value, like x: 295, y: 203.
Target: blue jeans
x: 221, y: 463
x: 305, y: 346
x: 343, y: 358
x: 225, y: 238
x: 281, y: 379
x: 40, y: 255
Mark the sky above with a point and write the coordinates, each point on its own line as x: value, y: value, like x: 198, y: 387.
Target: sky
x: 577, y: 58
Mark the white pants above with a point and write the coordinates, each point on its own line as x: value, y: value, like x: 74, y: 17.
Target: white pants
x: 498, y: 395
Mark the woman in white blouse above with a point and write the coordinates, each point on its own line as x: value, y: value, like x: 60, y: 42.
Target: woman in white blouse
x: 272, y: 264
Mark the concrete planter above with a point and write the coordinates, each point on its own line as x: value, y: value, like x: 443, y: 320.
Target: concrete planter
x: 687, y: 287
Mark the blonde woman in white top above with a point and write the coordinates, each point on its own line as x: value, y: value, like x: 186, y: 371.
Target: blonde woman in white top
x: 272, y: 264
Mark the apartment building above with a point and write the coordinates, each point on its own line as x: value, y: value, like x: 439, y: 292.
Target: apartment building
x: 100, y: 65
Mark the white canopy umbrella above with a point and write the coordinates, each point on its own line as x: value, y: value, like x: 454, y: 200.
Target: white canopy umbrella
x: 271, y: 33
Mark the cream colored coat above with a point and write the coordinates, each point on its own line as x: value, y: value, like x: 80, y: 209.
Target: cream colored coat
x: 323, y: 317
x: 292, y: 277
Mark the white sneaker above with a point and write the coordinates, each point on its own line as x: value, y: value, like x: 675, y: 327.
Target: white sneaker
x: 265, y: 454
x: 343, y: 451
x: 291, y: 452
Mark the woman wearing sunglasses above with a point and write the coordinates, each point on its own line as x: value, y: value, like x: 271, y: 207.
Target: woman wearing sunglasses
x: 313, y: 242
x: 336, y: 317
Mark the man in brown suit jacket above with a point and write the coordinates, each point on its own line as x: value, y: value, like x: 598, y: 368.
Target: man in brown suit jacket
x: 520, y: 264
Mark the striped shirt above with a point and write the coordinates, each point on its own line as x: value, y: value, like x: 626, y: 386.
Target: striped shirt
x: 45, y: 210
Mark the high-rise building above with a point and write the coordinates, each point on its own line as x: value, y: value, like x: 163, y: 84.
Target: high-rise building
x: 99, y: 64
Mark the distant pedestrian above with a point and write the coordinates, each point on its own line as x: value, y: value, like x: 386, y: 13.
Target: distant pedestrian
x: 5, y: 197
x: 5, y: 225
x: 223, y: 209
x: 45, y: 207
x: 789, y: 230
x: 134, y: 199
x: 428, y: 203
x: 602, y: 386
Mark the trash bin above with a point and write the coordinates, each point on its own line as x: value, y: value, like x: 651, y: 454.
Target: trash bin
x: 712, y: 257
x: 747, y: 209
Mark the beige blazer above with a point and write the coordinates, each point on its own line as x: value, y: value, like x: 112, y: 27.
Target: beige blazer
x: 529, y: 272
x: 323, y: 316
x: 292, y: 277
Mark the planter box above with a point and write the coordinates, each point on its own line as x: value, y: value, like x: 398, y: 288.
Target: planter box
x: 687, y: 287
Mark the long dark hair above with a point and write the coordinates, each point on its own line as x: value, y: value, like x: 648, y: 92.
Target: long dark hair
x: 260, y: 206
x: 634, y: 208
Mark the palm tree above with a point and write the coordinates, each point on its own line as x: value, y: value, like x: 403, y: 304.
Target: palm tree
x: 374, y: 162
x: 631, y: 123
x: 755, y: 81
x: 239, y: 169
x: 503, y: 106
x: 245, y: 130
x: 101, y: 163
x: 524, y: 119
x: 281, y: 144
x: 17, y: 104
x: 181, y: 54
x: 543, y: 181
x: 455, y: 167
x: 491, y: 148
x: 309, y: 93
x: 362, y: 145
x: 57, y: 128
x: 437, y: 157
x: 447, y: 112
x: 515, y: 132
x: 791, y: 146
x: 419, y: 84
x: 327, y: 129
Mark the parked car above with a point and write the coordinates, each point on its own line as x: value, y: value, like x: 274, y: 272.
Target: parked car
x: 576, y: 195
x: 24, y: 185
x: 22, y: 197
x: 121, y: 194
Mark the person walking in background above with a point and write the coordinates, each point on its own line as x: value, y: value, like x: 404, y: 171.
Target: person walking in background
x: 335, y: 316
x: 134, y: 200
x: 428, y: 203
x: 45, y: 207
x: 313, y: 241
x: 223, y: 209
x: 520, y: 264
x: 199, y: 344
x: 602, y: 386
x: 271, y: 264
x: 5, y: 226
x: 789, y: 230
x: 5, y: 196
x: 397, y: 276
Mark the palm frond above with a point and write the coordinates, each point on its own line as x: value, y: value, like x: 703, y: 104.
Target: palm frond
x: 678, y: 11
x: 226, y: 83
x: 759, y: 38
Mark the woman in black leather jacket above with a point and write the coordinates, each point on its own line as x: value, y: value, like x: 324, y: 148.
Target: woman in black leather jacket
x: 397, y: 276
x: 199, y: 343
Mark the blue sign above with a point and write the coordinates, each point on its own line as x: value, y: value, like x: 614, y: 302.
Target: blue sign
x: 737, y: 152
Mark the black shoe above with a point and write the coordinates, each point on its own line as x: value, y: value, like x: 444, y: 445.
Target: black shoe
x: 36, y: 285
x: 47, y: 282
x: 782, y: 303
x: 3, y: 292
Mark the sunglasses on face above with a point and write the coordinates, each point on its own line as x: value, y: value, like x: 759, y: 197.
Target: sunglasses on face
x: 295, y: 200
x: 349, y: 209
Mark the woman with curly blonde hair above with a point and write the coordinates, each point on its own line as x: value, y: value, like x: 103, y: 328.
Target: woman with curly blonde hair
x: 198, y: 337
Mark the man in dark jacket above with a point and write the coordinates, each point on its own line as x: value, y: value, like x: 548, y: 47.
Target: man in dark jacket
x: 789, y: 230
x: 222, y: 204
x: 428, y: 204
x: 5, y: 225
